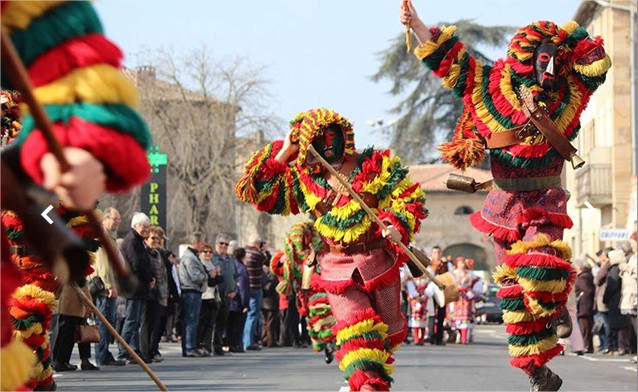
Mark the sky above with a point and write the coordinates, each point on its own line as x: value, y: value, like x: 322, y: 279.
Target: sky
x: 316, y: 53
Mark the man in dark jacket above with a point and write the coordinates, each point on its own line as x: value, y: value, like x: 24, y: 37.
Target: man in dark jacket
x: 138, y: 260
x: 254, y: 264
x: 270, y: 309
x: 585, y: 293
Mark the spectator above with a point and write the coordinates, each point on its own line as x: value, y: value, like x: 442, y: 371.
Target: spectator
x: 628, y: 301
x: 585, y: 293
x: 71, y: 313
x: 602, y: 311
x: 192, y: 278
x: 270, y: 309
x: 174, y: 299
x: 227, y: 289
x: 255, y: 266
x: 106, y: 301
x: 139, y: 262
x: 440, y: 265
x: 618, y: 339
x: 151, y: 329
x: 210, y: 303
x: 239, y: 305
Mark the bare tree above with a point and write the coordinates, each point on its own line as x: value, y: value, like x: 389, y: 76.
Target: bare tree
x: 196, y: 108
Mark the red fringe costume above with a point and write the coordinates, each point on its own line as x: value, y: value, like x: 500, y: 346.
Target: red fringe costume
x: 527, y: 226
x: 363, y: 288
x: 76, y: 76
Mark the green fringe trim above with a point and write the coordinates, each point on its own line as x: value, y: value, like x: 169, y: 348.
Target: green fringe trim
x: 533, y: 338
x: 366, y: 364
x: 512, y: 304
x: 545, y: 274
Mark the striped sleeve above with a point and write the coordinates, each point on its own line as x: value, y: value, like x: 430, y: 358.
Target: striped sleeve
x: 76, y: 73
x: 268, y: 183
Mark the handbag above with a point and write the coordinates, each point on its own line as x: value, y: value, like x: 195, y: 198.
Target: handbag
x: 87, y: 333
x: 96, y: 286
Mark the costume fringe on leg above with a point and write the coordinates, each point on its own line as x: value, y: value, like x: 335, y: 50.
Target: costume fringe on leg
x: 536, y: 279
x: 363, y: 354
x: 320, y: 321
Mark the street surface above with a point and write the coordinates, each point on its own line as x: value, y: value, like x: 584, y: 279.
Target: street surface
x: 482, y: 366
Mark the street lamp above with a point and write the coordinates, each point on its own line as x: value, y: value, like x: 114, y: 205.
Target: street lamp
x: 632, y: 27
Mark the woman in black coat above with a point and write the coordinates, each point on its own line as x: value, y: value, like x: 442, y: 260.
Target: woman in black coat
x: 619, y: 339
x: 585, y: 293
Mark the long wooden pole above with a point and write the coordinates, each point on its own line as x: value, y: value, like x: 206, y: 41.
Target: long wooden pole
x: 374, y: 216
x: 14, y: 67
x: 119, y: 338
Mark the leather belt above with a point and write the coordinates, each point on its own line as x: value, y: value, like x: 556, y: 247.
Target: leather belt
x: 360, y: 247
x: 527, y: 184
x: 512, y: 136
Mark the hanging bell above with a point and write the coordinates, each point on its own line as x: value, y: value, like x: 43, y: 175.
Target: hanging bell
x: 577, y: 162
x: 460, y: 183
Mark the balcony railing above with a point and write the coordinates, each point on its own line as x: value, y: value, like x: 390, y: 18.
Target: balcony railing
x: 593, y: 184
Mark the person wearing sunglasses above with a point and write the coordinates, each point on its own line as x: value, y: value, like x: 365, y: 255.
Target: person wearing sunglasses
x: 227, y: 289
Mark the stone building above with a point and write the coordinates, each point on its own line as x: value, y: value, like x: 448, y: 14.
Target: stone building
x: 604, y: 190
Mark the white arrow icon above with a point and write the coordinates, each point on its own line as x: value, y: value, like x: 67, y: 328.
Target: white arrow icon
x: 45, y: 212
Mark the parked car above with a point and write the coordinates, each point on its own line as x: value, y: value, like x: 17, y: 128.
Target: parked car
x: 487, y: 307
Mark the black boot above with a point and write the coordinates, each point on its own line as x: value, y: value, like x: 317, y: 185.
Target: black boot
x: 87, y: 365
x: 329, y: 351
x: 544, y: 379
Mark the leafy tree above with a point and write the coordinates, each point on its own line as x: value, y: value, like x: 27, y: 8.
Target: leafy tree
x: 428, y: 112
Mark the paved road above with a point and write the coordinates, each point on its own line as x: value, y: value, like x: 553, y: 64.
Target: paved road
x: 481, y: 366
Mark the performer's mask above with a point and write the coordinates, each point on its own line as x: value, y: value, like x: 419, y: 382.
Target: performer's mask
x: 545, y: 65
x: 330, y: 144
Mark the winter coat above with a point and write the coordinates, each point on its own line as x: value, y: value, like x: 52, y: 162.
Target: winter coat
x: 192, y: 274
x: 611, y: 297
x: 139, y: 261
x: 629, y: 284
x: 242, y: 299
x: 601, y: 286
x: 271, y: 296
x: 585, y: 292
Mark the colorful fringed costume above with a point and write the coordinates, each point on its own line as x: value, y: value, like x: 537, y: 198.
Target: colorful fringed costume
x: 76, y: 76
x: 526, y: 222
x: 363, y: 287
x: 301, y: 240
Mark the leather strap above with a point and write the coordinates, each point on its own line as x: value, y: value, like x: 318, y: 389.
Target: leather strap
x: 511, y: 136
x: 527, y: 184
x: 546, y: 125
x: 360, y: 247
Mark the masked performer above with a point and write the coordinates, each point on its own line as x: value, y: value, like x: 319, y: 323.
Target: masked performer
x: 559, y: 67
x: 360, y: 272
x: 75, y: 72
x: 295, y: 267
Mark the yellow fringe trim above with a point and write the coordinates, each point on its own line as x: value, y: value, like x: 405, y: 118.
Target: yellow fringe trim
x: 370, y: 354
x: 504, y: 272
x: 596, y: 68
x: 517, y: 316
x: 570, y: 26
x: 454, y: 73
x: 16, y: 365
x: 428, y: 47
x: 19, y: 14
x: 534, y: 349
x: 78, y: 221
x: 43, y: 373
x: 550, y: 286
x: 347, y: 236
x: 539, y: 310
x: 346, y: 210
x: 96, y: 84
x: 361, y: 327
x: 381, y: 180
x: 35, y: 328
x: 35, y: 292
x: 540, y: 241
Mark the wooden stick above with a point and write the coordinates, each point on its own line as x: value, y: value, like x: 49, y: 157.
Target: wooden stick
x: 119, y: 338
x: 374, y: 216
x: 19, y: 76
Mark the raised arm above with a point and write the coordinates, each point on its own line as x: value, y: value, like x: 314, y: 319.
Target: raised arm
x: 410, y: 18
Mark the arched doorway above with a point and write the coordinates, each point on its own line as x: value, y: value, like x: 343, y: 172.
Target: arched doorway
x: 469, y: 251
